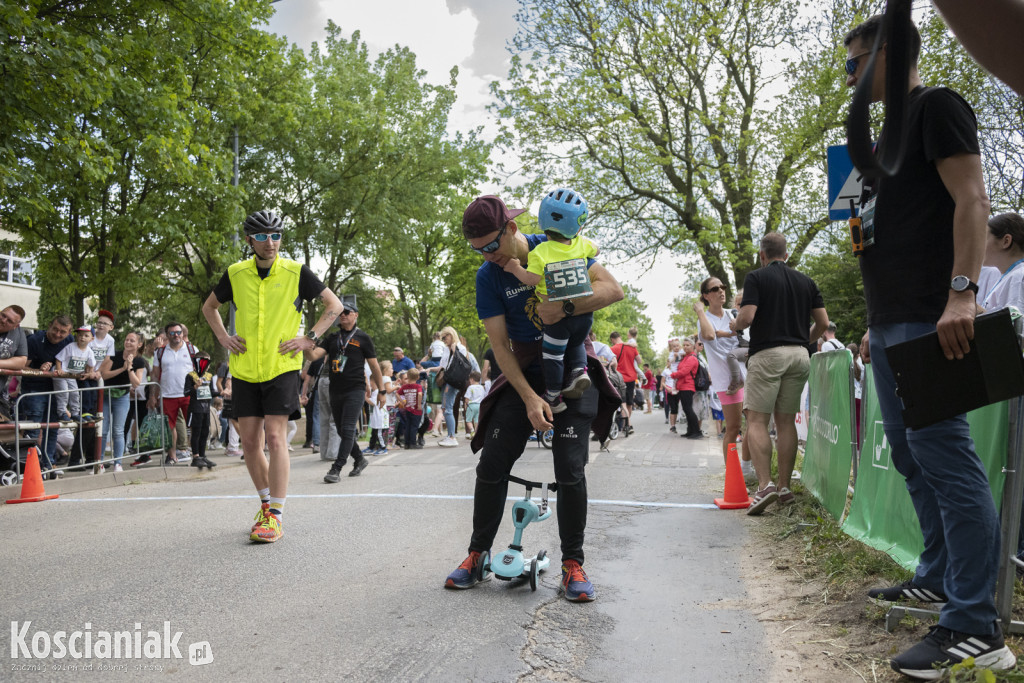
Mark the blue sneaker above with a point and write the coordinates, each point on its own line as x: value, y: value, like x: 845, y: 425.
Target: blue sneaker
x: 465, y: 576
x: 381, y: 451
x: 575, y: 584
x: 367, y: 451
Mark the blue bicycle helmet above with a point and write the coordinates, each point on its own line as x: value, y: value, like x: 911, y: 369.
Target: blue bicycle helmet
x: 563, y: 211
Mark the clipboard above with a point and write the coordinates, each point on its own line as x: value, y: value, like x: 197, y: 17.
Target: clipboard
x: 933, y: 389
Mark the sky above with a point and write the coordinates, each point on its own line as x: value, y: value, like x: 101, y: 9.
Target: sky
x: 472, y: 35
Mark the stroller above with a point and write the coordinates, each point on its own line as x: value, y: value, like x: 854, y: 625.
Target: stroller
x: 9, y: 466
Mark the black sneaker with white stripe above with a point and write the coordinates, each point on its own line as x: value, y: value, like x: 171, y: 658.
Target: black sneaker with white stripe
x: 942, y: 648
x: 908, y: 590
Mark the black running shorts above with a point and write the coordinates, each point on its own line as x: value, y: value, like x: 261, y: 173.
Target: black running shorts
x: 278, y: 396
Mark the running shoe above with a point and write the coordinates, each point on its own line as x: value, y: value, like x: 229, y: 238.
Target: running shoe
x: 465, y: 575
x: 141, y: 460
x: 260, y: 514
x: 579, y: 382
x: 269, y: 530
x: 931, y: 658
x: 762, y: 499
x: 575, y: 584
x: 448, y: 442
x: 358, y: 468
x: 908, y: 590
x: 558, y: 406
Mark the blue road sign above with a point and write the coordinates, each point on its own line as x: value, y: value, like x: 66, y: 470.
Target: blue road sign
x: 844, y: 183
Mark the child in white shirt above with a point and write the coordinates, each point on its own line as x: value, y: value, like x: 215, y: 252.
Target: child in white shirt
x: 474, y: 395
x: 79, y: 360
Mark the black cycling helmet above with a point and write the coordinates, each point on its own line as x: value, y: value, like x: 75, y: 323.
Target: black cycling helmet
x: 263, y: 221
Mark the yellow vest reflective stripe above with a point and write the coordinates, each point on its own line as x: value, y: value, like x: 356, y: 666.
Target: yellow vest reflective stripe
x: 268, y: 312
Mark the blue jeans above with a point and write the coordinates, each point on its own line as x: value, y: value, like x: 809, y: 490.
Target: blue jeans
x: 950, y: 491
x: 34, y: 408
x: 448, y: 404
x: 115, y: 413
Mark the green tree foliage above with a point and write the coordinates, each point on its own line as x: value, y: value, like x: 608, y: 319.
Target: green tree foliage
x: 112, y: 132
x: 999, y: 110
x: 836, y: 272
x: 374, y: 187
x: 621, y: 316
x: 661, y: 112
x: 117, y: 163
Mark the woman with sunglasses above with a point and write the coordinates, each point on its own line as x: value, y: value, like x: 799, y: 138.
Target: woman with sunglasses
x: 450, y: 339
x: 719, y: 340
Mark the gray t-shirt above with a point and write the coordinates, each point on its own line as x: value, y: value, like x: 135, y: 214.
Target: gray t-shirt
x: 13, y: 344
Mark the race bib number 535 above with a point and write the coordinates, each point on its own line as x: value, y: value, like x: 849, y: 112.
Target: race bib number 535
x: 567, y: 279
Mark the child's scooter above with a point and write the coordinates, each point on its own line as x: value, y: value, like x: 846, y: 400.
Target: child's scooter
x: 509, y: 563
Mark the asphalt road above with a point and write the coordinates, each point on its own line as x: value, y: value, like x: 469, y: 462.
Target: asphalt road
x: 353, y: 591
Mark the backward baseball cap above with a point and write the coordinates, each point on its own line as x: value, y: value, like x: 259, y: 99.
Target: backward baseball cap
x: 485, y: 215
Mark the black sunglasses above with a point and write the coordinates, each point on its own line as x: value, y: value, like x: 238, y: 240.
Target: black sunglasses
x: 493, y: 246
x: 852, y: 62
x: 347, y: 312
x: 716, y: 288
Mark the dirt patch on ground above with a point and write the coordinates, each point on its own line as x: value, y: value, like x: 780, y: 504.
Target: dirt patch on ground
x: 815, y: 633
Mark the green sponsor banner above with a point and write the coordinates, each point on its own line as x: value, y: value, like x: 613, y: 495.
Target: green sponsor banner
x: 828, y: 454
x: 881, y: 514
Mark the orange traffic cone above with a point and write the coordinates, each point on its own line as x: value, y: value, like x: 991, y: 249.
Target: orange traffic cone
x: 32, y: 486
x: 736, y: 496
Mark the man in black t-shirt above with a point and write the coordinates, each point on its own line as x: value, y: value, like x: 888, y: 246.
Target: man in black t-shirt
x: 929, y: 222
x: 777, y: 303
x: 490, y: 370
x: 344, y: 353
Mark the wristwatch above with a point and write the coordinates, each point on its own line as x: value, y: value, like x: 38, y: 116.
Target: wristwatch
x: 568, y: 307
x: 313, y: 335
x: 961, y: 283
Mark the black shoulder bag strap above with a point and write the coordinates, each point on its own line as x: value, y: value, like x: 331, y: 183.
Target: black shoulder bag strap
x: 895, y: 35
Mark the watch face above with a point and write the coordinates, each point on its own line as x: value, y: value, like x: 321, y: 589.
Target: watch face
x: 959, y: 283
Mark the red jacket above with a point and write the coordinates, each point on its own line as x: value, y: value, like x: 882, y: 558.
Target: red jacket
x: 685, y: 372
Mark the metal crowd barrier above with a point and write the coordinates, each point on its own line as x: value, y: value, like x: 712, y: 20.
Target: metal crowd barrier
x: 12, y: 448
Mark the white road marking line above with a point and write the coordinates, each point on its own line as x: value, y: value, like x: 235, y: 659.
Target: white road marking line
x: 421, y: 496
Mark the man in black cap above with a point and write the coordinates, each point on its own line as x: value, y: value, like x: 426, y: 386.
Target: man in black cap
x: 345, y: 353
x: 514, y: 408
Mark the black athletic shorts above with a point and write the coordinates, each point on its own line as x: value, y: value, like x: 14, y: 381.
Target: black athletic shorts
x: 278, y: 396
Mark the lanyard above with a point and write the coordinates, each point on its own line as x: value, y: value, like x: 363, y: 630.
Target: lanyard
x: 344, y: 346
x: 996, y: 285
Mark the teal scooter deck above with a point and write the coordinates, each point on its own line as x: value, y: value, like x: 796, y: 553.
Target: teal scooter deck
x: 511, y: 563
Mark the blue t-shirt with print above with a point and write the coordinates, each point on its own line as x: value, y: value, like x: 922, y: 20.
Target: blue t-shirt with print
x: 501, y: 293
